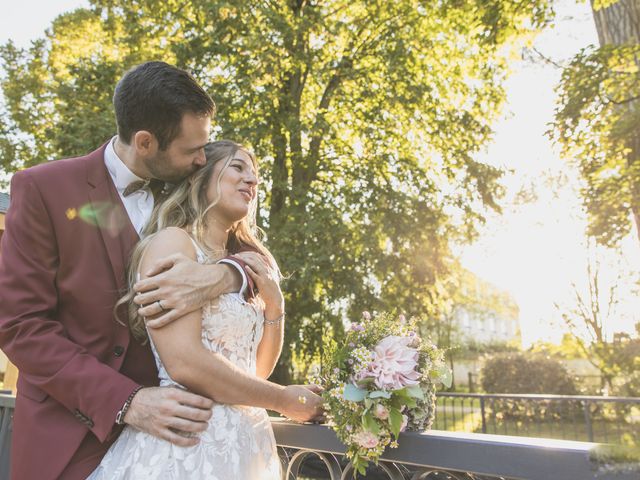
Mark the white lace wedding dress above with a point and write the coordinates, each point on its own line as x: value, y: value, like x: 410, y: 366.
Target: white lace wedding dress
x: 238, y: 443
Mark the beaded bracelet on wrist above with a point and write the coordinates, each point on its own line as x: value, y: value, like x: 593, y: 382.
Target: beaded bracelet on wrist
x: 123, y: 411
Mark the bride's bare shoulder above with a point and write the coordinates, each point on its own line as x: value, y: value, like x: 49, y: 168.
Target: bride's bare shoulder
x: 169, y: 241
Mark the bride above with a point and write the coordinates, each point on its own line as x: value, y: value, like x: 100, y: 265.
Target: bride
x: 225, y: 351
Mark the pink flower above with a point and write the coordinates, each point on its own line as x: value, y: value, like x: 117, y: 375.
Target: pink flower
x: 365, y: 439
x: 381, y: 412
x: 366, y: 315
x: 394, y: 363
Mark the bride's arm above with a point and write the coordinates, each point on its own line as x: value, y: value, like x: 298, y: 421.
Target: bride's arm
x: 189, y: 363
x: 271, y: 343
x: 267, y: 279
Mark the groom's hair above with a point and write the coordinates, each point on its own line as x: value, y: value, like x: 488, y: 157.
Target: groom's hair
x: 154, y: 96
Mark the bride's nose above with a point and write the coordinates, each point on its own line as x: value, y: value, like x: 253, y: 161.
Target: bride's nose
x: 251, y: 178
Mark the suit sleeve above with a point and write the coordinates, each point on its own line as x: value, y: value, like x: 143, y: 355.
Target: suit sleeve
x: 30, y: 334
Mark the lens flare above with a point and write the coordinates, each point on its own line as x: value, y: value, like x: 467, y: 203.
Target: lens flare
x: 104, y: 215
x: 71, y: 213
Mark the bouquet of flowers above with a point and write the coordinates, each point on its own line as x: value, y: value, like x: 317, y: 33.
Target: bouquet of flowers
x: 378, y: 382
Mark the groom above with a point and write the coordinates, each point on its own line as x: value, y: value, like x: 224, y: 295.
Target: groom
x: 69, y: 233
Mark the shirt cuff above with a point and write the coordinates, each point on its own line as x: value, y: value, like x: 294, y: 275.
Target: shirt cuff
x: 237, y: 266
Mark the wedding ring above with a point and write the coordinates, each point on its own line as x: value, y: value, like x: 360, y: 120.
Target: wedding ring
x: 159, y: 302
x: 302, y: 399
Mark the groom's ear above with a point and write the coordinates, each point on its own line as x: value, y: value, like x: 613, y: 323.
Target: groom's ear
x: 145, y: 143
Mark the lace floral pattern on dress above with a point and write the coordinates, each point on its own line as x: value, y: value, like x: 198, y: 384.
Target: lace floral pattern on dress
x: 238, y: 443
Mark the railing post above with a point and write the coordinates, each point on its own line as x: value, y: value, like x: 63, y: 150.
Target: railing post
x: 587, y: 419
x: 484, y: 421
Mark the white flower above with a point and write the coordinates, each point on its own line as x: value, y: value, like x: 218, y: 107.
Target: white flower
x: 365, y: 439
x: 381, y: 412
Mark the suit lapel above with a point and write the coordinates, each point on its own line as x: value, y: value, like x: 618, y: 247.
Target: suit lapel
x: 108, y: 214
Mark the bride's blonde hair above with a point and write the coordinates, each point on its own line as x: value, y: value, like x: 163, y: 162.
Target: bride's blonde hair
x: 186, y: 207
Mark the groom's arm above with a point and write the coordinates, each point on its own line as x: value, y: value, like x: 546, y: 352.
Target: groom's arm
x: 182, y: 286
x: 50, y: 362
x: 53, y: 364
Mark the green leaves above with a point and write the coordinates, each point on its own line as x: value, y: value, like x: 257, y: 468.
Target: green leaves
x: 445, y: 374
x: 395, y: 421
x: 369, y: 423
x: 366, y: 117
x: 596, y: 122
x: 353, y: 393
x: 403, y: 397
x: 380, y: 394
x: 415, y: 391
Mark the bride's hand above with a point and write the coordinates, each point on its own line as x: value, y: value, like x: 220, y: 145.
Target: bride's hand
x: 266, y: 278
x: 301, y: 404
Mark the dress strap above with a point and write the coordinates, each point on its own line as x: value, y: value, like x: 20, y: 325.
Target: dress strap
x: 227, y: 260
x: 199, y: 250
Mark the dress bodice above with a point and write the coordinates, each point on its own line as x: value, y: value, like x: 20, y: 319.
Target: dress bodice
x: 238, y: 443
x: 231, y: 327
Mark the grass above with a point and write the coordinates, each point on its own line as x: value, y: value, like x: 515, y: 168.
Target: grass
x: 465, y: 416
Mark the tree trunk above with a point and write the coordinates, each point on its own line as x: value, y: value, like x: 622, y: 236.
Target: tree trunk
x: 618, y: 25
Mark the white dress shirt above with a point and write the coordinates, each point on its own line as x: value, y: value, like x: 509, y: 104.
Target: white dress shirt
x: 139, y: 204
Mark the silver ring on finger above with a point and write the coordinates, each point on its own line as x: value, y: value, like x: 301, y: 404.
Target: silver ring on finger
x: 159, y: 302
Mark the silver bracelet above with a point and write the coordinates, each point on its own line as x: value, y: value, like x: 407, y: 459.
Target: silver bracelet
x: 275, y: 322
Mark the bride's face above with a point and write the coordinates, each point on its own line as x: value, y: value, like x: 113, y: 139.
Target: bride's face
x: 236, y: 189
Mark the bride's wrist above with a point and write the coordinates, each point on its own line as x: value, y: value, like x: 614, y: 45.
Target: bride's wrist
x: 278, y: 398
x: 274, y: 310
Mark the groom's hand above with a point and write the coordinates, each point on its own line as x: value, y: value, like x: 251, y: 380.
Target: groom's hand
x: 170, y: 413
x: 177, y: 285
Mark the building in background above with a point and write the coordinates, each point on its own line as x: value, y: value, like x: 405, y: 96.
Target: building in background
x: 485, y: 314
x: 483, y: 320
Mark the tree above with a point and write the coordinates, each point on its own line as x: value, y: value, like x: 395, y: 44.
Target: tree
x: 366, y: 115
x: 596, y: 120
x: 569, y: 348
x: 591, y: 319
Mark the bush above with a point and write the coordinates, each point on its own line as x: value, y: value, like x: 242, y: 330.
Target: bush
x: 522, y: 373
x: 519, y: 372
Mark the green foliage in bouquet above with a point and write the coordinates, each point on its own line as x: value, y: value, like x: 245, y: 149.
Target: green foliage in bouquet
x: 380, y: 380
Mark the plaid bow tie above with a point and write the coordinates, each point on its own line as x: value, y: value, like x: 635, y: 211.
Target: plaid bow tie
x: 154, y: 186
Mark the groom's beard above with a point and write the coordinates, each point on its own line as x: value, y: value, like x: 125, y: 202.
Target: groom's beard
x: 162, y: 168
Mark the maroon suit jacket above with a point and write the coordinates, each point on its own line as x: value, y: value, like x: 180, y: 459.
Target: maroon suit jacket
x: 62, y: 269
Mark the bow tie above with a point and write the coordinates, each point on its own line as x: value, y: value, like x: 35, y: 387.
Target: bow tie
x: 154, y: 186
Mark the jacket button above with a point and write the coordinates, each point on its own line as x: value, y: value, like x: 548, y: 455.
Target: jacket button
x: 118, y: 350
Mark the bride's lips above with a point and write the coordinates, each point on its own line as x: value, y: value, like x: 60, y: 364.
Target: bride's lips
x: 247, y: 194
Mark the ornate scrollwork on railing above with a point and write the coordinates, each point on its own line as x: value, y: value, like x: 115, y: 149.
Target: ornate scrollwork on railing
x: 293, y: 461
x: 391, y: 469
x: 312, y: 450
x: 293, y: 464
